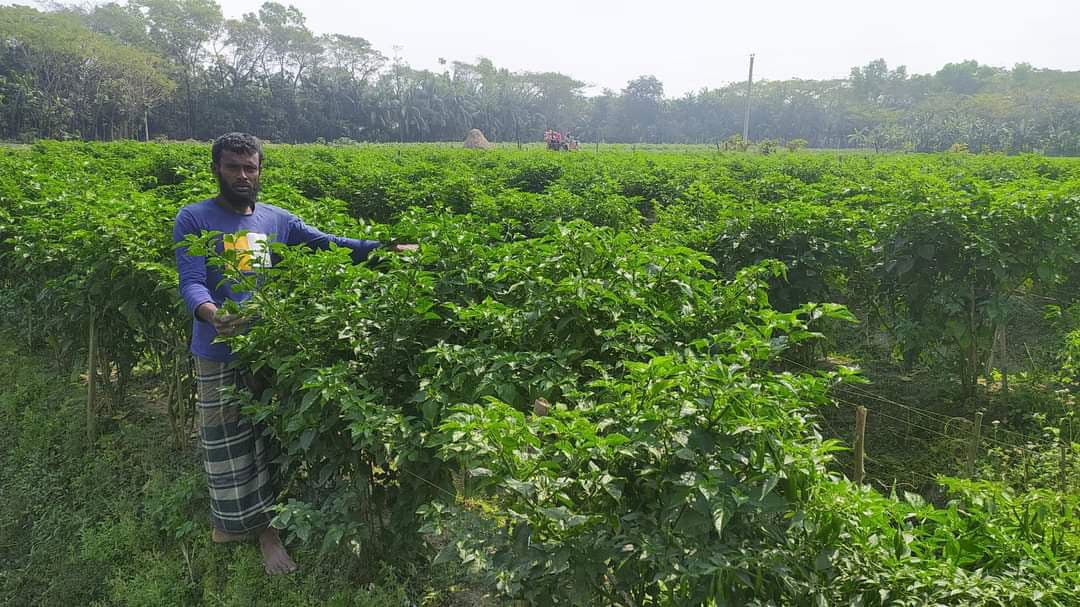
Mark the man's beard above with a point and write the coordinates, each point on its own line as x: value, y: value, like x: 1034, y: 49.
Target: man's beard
x: 238, y: 198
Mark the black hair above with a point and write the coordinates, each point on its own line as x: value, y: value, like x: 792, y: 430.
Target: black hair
x: 237, y: 143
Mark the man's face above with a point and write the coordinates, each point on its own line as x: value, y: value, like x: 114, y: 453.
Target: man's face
x: 238, y: 177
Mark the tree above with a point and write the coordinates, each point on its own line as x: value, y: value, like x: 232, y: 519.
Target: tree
x: 875, y: 83
x: 964, y: 78
x: 291, y: 47
x: 182, y: 29
x: 65, y: 80
x: 558, y: 99
x: 642, y: 102
x: 794, y: 145
x: 602, y: 114
x: 123, y: 23
x: 350, y: 67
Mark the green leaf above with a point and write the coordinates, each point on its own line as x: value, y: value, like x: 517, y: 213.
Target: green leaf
x: 825, y: 559
x: 308, y: 399
x: 525, y: 489
x: 559, y: 513
x: 719, y: 519
x: 332, y: 538
x: 914, y: 499
x: 904, y: 264
x: 306, y: 439
x: 768, y: 486
x: 1045, y: 272
x: 446, y: 555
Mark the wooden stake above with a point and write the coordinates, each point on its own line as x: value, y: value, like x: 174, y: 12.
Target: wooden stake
x: 973, y: 351
x: 1003, y: 353
x: 1062, y: 476
x: 91, y: 385
x: 860, y: 445
x: 973, y: 447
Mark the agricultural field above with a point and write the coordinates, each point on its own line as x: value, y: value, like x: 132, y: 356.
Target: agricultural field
x: 621, y: 377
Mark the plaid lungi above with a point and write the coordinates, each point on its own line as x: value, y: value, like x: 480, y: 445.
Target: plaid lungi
x: 235, y: 453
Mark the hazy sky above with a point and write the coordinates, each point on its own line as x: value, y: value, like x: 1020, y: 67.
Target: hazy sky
x: 693, y: 44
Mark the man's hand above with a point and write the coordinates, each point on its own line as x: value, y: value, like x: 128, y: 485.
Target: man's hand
x: 224, y: 323
x: 403, y: 247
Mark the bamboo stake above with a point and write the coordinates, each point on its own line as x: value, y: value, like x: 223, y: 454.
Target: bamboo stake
x: 973, y: 352
x: 91, y: 385
x: 1003, y: 350
x: 860, y: 445
x: 1062, y: 476
x: 973, y: 447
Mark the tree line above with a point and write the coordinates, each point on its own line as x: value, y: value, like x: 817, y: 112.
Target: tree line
x: 180, y: 70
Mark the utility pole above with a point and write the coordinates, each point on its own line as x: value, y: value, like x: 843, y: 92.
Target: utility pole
x: 749, y: 88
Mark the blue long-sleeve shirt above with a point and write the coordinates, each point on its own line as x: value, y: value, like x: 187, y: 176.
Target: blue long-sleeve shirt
x: 201, y: 283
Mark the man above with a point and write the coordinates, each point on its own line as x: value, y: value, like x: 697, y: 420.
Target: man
x: 235, y: 451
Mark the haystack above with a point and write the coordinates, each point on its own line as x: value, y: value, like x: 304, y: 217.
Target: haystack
x: 477, y: 141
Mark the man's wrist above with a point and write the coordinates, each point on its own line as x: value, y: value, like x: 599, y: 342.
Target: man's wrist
x: 206, y: 311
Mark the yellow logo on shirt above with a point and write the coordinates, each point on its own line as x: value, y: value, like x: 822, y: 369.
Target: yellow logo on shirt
x: 252, y: 248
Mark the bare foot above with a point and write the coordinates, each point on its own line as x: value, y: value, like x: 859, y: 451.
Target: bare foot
x: 275, y: 559
x: 222, y: 537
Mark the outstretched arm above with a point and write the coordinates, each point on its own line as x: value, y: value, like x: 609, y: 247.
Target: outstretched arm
x: 301, y: 233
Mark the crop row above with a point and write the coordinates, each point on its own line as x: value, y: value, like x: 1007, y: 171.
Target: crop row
x: 584, y: 354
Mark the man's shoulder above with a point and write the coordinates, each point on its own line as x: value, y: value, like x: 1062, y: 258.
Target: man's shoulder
x: 197, y: 208
x: 192, y: 219
x: 275, y: 218
x: 274, y: 210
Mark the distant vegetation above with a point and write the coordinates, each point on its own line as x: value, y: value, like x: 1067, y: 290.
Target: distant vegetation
x: 181, y: 70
